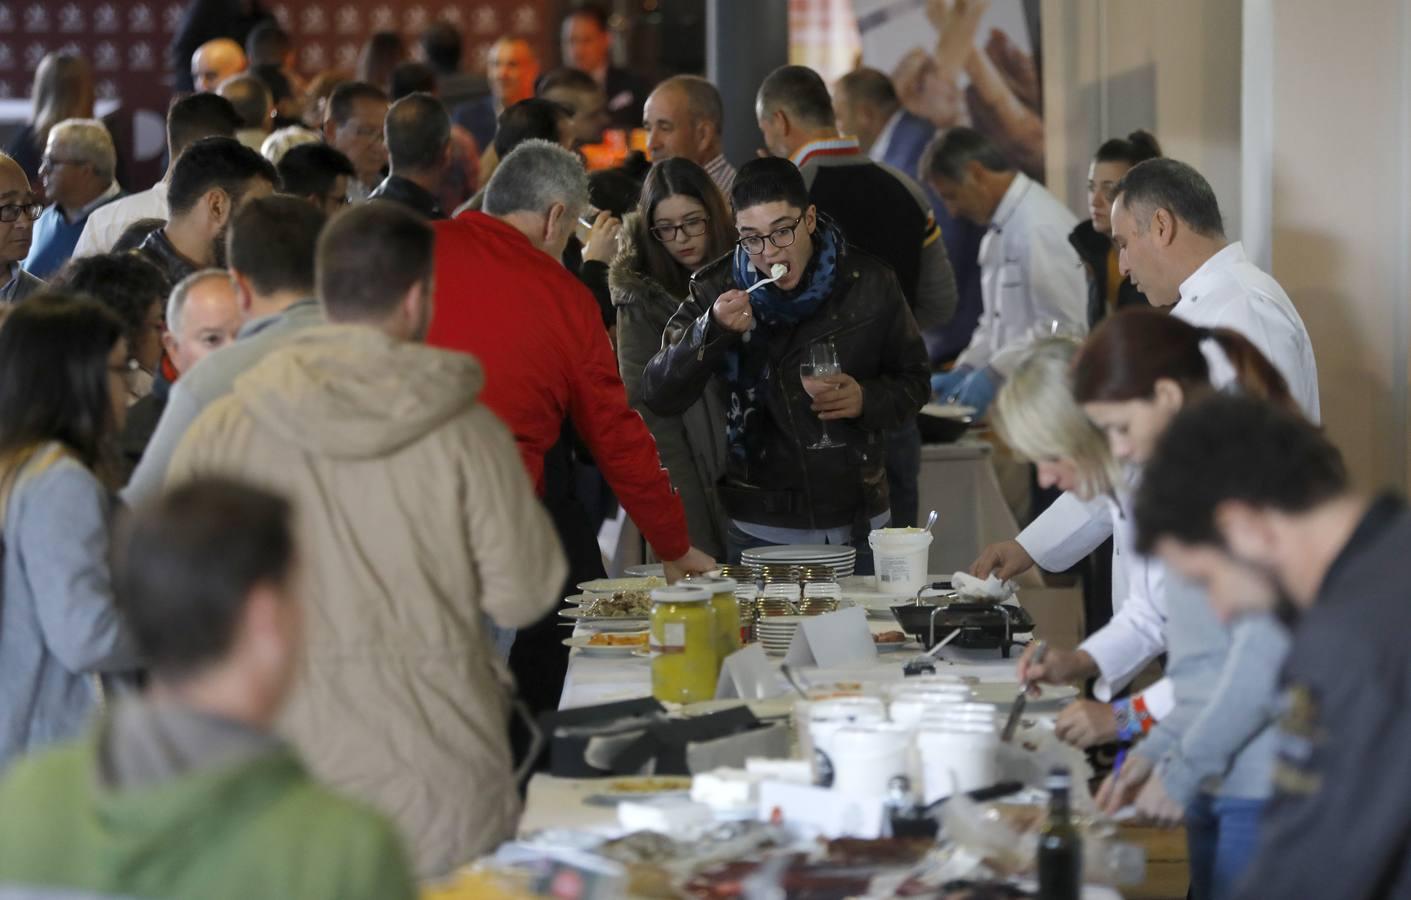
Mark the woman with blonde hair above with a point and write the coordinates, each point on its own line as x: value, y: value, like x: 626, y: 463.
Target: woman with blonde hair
x: 1206, y: 750
x: 63, y: 89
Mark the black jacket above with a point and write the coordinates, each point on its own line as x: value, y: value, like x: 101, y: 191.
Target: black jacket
x: 1093, y: 247
x: 789, y: 485
x: 409, y: 194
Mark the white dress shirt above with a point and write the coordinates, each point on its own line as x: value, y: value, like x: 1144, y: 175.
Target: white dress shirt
x: 108, y: 222
x: 1229, y: 291
x: 1030, y: 277
x: 878, y: 151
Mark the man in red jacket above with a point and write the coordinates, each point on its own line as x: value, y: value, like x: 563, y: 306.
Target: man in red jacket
x: 502, y: 295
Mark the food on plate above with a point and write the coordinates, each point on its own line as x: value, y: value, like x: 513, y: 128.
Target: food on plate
x: 649, y: 785
x: 890, y: 637
x: 618, y: 639
x: 621, y: 605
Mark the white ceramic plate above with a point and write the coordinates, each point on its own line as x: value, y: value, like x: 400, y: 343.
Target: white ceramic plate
x: 649, y: 570
x: 948, y: 410
x: 606, y: 623
x: 609, y: 585
x: 589, y: 649
x: 800, y: 554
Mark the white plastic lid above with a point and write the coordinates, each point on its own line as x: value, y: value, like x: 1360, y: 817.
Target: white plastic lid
x: 716, y: 584
x: 681, y: 593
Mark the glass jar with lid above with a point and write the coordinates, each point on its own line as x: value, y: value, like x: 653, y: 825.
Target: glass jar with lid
x: 685, y: 663
x: 728, y: 636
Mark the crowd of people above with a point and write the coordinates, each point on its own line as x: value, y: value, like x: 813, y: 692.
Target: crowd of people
x: 301, y: 445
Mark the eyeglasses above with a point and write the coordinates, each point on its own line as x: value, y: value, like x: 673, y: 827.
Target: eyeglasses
x: 692, y: 227
x: 779, y: 237
x: 11, y: 211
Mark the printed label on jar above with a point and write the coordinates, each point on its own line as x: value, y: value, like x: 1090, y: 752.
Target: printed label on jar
x: 673, y: 635
x: 894, y: 570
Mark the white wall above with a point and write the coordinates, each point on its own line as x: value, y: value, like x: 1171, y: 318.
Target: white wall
x: 1333, y: 150
x: 1111, y: 66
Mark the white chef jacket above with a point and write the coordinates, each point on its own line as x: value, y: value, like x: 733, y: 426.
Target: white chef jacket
x: 1228, y: 291
x: 1030, y: 277
x: 1136, y: 634
x: 109, y: 221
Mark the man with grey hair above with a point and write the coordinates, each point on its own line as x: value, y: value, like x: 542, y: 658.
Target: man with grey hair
x: 684, y: 117
x: 1030, y: 276
x: 255, y: 106
x: 418, y: 137
x: 503, y: 296
x: 77, y: 171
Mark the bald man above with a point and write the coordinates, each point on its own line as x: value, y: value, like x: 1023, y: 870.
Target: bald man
x: 203, y: 315
x: 512, y: 68
x: 214, y: 62
x: 19, y: 207
x: 255, y: 106
x: 684, y: 117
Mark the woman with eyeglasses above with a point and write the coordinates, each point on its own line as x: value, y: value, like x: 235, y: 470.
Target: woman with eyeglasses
x: 819, y: 356
x: 681, y: 224
x: 63, y: 397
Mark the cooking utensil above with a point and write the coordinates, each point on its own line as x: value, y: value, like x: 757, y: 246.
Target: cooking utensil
x: 1022, y: 697
x: 776, y: 271
x: 931, y: 520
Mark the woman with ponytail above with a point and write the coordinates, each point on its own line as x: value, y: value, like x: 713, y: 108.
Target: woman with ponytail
x: 1209, y: 759
x: 1108, y: 289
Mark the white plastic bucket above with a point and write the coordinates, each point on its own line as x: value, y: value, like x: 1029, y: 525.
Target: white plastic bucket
x: 900, y: 557
x: 867, y: 757
x: 956, y: 756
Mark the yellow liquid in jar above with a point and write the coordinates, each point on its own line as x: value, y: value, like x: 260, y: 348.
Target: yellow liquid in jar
x: 727, y: 624
x: 686, y: 665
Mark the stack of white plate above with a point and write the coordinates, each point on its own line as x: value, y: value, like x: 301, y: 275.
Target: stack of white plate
x: 842, y: 559
x: 776, y: 632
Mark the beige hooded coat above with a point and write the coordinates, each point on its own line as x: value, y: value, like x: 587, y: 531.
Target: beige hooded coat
x: 415, y: 517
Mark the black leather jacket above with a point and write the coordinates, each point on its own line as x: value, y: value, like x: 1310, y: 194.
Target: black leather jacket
x: 788, y: 485
x: 1093, y: 247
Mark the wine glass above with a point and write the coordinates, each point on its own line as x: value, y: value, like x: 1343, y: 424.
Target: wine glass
x: 820, y: 362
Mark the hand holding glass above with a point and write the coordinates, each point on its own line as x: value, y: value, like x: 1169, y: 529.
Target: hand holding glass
x: 820, y: 362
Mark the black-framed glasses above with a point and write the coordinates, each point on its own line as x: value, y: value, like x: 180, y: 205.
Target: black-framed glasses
x: 779, y: 237
x: 692, y: 228
x: 11, y: 211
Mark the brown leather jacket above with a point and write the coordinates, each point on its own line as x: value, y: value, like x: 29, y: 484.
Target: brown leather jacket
x: 785, y: 484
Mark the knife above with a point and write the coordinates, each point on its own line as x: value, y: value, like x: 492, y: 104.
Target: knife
x: 1017, y: 709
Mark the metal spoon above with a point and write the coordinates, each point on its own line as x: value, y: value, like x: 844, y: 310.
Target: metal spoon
x: 931, y: 520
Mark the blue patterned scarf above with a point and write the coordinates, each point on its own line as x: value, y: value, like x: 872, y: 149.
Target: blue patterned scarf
x: 747, y: 369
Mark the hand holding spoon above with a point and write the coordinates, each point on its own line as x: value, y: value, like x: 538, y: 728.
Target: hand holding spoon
x: 776, y: 271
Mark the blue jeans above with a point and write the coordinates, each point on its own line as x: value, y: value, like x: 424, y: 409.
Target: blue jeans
x: 1222, y: 834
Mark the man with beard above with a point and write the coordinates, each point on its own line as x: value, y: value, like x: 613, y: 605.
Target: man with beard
x: 208, y: 182
x: 1254, y: 504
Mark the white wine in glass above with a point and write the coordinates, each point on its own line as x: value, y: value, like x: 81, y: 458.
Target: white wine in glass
x: 820, y: 362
